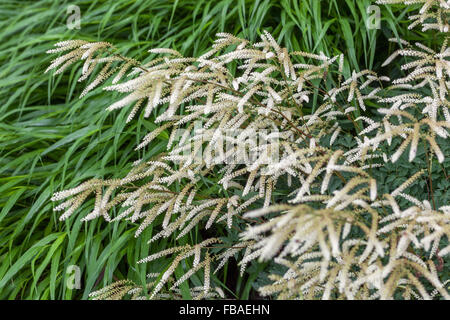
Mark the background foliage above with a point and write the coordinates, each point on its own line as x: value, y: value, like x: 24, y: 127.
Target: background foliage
x: 49, y: 138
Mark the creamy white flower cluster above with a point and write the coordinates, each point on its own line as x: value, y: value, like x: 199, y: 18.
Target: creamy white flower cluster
x: 333, y: 231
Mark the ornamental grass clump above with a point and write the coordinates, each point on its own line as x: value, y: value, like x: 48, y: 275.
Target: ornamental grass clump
x: 255, y: 160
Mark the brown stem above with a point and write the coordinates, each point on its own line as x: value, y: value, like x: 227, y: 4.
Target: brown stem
x: 430, y: 182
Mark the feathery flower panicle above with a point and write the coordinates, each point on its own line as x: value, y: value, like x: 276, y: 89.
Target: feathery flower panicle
x: 335, y: 232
